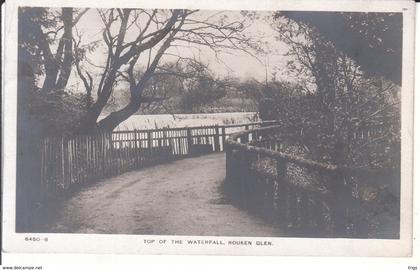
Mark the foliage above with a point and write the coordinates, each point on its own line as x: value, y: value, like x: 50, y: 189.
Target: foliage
x: 45, y: 56
x: 372, y: 40
x: 334, y: 102
x: 29, y: 20
x: 202, y: 91
x: 59, y: 112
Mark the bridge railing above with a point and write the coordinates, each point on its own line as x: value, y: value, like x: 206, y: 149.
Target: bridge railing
x: 68, y: 161
x: 303, y: 197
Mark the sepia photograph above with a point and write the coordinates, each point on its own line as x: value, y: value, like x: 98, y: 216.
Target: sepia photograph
x: 231, y: 126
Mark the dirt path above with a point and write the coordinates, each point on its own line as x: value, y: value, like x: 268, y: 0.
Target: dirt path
x: 180, y: 198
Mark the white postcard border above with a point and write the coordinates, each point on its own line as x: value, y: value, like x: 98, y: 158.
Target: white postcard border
x: 134, y: 244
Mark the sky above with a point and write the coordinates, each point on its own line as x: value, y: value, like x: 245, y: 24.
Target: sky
x: 229, y: 63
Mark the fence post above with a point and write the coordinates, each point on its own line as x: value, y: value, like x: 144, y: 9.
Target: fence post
x: 340, y: 201
x: 165, y: 142
x: 247, y: 179
x: 282, y: 199
x: 110, y: 154
x: 63, y: 176
x: 216, y: 139
x: 136, y: 148
x: 149, y: 142
x: 189, y: 142
x: 223, y: 138
x: 244, y: 138
x: 228, y: 166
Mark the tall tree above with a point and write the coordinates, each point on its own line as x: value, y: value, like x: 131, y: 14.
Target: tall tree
x: 40, y: 29
x: 43, y: 63
x: 133, y: 35
x: 341, y: 98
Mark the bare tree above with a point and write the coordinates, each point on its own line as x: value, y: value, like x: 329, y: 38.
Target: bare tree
x: 154, y: 32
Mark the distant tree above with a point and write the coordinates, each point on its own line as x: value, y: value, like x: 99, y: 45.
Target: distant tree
x: 203, y: 91
x: 165, y: 88
x: 186, y: 86
x: 251, y: 89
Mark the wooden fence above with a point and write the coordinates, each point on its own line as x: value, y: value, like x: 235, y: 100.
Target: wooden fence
x: 303, y: 197
x: 71, y: 161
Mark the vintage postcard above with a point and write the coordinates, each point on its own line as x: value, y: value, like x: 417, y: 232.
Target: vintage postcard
x: 195, y: 127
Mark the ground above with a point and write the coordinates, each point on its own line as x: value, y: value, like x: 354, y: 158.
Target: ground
x: 180, y: 198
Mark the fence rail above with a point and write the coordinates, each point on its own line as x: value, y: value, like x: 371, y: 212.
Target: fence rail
x: 70, y: 161
x: 303, y: 197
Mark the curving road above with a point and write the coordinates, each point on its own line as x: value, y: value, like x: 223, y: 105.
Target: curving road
x: 179, y: 198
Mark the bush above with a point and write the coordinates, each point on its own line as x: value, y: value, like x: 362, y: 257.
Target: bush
x: 338, y: 132
x: 58, y: 112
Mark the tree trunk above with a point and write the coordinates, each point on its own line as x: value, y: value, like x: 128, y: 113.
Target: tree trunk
x: 89, y: 124
x: 115, y: 118
x: 111, y: 121
x: 67, y: 17
x: 57, y: 70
